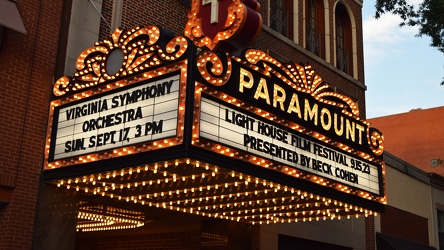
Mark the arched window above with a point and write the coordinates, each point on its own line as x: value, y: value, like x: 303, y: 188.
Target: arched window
x: 315, y: 31
x: 344, y: 56
x: 281, y: 17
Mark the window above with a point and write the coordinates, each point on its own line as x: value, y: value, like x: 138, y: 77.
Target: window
x: 343, y: 40
x: 315, y: 27
x: 281, y: 17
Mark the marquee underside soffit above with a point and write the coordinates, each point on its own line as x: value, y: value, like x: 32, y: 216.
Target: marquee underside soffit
x: 198, y: 188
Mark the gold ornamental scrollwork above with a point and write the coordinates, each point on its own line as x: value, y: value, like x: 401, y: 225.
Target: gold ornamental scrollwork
x: 376, y: 141
x: 302, y: 79
x: 132, y: 51
x: 213, y: 69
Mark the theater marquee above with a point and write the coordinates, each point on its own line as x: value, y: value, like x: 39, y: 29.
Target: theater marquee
x: 172, y: 123
x: 287, y: 119
x: 102, y: 114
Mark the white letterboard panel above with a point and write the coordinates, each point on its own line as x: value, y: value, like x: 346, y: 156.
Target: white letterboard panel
x: 142, y: 113
x: 239, y: 130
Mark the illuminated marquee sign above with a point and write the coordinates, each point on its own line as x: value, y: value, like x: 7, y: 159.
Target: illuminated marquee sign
x: 245, y: 108
x: 292, y: 93
x: 138, y: 114
x: 126, y: 97
x: 246, y: 132
x: 237, y: 129
x: 287, y: 119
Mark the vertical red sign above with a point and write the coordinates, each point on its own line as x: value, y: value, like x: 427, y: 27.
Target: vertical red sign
x: 223, y: 24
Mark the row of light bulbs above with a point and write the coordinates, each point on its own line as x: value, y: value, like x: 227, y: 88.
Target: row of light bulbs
x: 224, y: 150
x: 269, y: 202
x: 100, y: 218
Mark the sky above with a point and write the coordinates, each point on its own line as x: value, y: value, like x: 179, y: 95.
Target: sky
x: 402, y: 71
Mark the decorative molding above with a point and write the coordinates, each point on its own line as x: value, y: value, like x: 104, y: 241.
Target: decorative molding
x: 303, y: 79
x: 135, y: 51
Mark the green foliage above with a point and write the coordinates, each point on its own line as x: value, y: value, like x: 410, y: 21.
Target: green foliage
x: 429, y: 17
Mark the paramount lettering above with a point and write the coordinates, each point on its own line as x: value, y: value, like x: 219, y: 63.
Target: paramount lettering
x: 301, y: 108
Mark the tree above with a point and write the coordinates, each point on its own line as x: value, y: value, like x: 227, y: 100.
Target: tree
x: 429, y: 17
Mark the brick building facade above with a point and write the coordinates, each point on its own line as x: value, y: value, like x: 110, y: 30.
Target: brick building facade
x: 35, y: 214
x: 27, y: 72
x: 420, y: 145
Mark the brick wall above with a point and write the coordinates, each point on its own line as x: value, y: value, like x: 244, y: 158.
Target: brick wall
x: 255, y: 237
x: 107, y: 13
x: 370, y: 232
x: 171, y: 15
x: 26, y: 76
x: 402, y: 224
